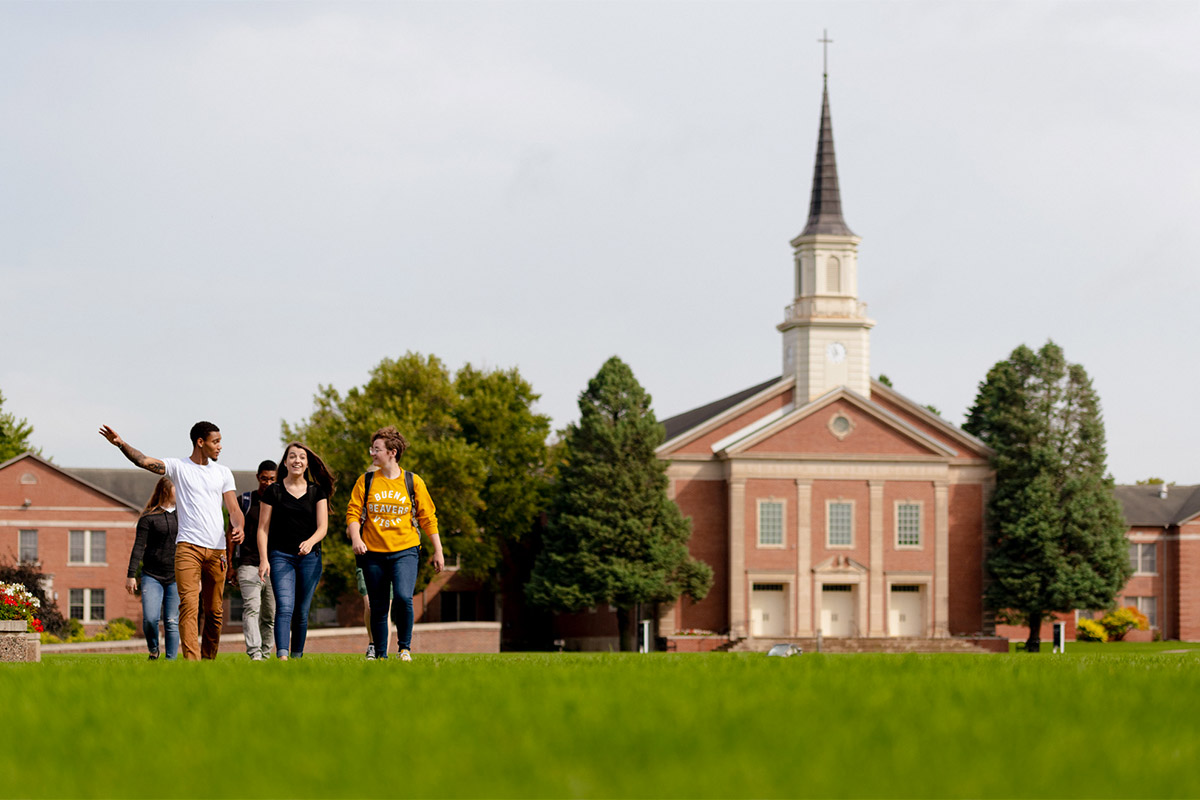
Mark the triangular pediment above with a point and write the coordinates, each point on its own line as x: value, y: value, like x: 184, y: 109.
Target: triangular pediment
x: 840, y: 423
x: 928, y: 422
x: 38, y: 467
x: 840, y: 564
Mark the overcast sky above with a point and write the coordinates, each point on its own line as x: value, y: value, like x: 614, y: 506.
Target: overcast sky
x: 209, y: 209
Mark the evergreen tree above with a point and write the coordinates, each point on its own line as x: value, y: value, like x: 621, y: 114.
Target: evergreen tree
x: 1057, y: 534
x: 14, y: 434
x: 614, y: 536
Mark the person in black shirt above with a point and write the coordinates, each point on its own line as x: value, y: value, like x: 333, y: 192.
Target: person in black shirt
x: 154, y: 550
x: 293, y: 519
x: 258, y: 599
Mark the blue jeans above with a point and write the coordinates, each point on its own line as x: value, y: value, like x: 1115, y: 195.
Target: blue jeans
x: 160, y: 599
x: 294, y: 579
x: 394, y: 573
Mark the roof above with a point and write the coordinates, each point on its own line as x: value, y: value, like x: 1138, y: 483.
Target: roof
x: 135, y: 486
x: 1144, y: 507
x: 825, y: 208
x: 697, y: 416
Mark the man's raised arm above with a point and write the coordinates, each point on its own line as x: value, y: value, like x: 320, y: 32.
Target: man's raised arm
x: 136, y: 456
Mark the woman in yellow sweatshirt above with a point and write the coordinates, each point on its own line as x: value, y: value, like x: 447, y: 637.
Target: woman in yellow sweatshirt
x: 385, y: 540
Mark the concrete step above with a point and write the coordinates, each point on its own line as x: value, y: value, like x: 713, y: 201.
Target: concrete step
x: 898, y: 644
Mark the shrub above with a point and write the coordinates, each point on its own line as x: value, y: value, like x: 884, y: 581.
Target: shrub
x: 32, y: 579
x: 1122, y: 621
x: 1088, y: 630
x: 115, y: 631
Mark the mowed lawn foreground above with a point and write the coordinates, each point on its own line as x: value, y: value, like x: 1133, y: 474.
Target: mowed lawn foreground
x: 1092, y: 723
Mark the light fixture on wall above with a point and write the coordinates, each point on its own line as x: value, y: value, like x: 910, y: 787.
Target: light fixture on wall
x: 27, y: 503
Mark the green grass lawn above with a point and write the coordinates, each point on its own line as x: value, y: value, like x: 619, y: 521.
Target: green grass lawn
x: 1108, y: 721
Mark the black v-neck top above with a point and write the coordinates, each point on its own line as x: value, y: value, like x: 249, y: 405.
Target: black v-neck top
x: 293, y: 519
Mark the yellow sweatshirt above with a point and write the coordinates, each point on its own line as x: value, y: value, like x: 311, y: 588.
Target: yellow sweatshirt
x: 389, y: 525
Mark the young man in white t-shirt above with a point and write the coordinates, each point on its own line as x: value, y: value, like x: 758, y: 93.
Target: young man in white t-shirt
x: 201, y: 485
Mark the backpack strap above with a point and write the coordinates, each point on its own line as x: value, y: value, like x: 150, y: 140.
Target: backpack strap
x: 367, y: 476
x: 409, y: 484
x: 246, y: 499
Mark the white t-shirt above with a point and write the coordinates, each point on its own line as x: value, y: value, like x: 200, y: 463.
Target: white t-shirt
x: 198, y: 491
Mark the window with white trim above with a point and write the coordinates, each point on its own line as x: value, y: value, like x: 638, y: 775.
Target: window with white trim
x: 87, y: 547
x: 87, y: 605
x: 908, y: 525
x: 1143, y: 557
x: 840, y: 532
x: 1146, y: 605
x: 770, y: 523
x: 27, y: 547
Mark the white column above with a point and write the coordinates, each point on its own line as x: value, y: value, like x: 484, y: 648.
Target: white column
x: 804, y: 578
x: 941, y: 560
x: 875, y: 579
x: 737, y: 558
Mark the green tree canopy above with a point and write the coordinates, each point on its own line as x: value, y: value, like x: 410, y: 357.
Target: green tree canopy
x: 473, y: 438
x: 14, y: 434
x: 613, y: 535
x: 1057, y: 538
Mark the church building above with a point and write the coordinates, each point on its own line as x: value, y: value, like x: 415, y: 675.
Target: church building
x: 826, y: 502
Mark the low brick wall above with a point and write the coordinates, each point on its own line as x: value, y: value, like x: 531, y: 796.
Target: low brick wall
x: 695, y: 644
x: 440, y: 637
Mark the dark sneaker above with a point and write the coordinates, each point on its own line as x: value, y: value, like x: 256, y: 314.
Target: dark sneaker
x: 370, y: 652
x: 154, y: 656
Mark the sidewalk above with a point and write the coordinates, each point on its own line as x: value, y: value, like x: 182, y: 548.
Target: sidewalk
x: 430, y: 637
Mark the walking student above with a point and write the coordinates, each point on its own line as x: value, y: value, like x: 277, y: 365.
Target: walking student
x: 258, y: 598
x: 201, y: 486
x: 154, y: 550
x: 380, y: 519
x: 293, y: 519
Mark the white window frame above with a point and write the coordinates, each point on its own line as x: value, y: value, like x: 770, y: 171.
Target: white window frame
x: 920, y: 544
x: 21, y: 546
x: 88, y: 540
x: 782, y: 543
x: 87, y: 604
x: 829, y: 504
x: 1142, y: 603
x: 1139, y: 560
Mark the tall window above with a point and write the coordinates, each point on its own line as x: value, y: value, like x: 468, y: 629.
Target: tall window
x: 27, y: 547
x: 1146, y: 605
x: 86, y: 547
x: 833, y: 274
x: 841, y: 530
x: 770, y: 524
x: 87, y: 605
x: 908, y: 525
x: 1143, y: 557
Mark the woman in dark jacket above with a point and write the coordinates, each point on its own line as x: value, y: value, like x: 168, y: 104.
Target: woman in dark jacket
x: 154, y: 549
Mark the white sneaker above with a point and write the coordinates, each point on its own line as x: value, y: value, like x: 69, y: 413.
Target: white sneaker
x: 405, y: 655
x: 370, y: 652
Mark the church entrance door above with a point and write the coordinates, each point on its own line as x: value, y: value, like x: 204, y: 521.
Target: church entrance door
x: 837, y: 610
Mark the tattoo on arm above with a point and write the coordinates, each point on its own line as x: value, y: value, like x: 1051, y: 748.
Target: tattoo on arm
x: 142, y: 460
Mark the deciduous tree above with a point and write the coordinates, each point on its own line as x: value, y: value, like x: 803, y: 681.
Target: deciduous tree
x: 1057, y: 535
x: 14, y: 434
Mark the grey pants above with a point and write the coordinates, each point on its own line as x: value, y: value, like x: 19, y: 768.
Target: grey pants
x: 258, y: 612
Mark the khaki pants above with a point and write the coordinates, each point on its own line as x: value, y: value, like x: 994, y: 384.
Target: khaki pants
x: 200, y: 576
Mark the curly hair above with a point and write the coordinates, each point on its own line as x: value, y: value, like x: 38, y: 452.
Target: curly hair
x: 392, y: 440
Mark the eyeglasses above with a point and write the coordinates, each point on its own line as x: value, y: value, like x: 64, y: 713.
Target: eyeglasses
x: 377, y: 451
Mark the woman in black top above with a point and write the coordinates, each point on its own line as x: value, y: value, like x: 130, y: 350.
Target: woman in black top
x: 154, y: 549
x: 293, y: 519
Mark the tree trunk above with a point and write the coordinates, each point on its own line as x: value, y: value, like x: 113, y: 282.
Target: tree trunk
x: 625, y: 627
x: 1034, y: 643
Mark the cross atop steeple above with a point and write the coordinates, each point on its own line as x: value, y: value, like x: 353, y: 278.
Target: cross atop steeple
x: 825, y: 41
